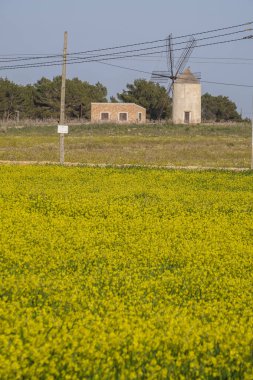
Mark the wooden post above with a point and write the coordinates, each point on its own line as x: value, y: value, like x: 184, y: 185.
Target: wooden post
x: 63, y: 90
x: 252, y: 137
x: 17, y: 116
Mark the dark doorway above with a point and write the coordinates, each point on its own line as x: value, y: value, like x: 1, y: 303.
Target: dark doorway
x: 187, y: 117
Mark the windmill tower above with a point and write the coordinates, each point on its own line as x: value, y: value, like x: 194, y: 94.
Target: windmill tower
x: 173, y: 76
x: 186, y: 99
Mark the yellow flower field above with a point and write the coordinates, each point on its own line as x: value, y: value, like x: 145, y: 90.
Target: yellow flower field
x: 125, y: 274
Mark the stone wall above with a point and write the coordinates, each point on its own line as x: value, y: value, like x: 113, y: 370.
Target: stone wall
x: 117, y: 113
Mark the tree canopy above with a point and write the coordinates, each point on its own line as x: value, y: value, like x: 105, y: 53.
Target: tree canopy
x: 218, y: 108
x: 42, y: 100
x: 12, y: 98
x: 149, y: 95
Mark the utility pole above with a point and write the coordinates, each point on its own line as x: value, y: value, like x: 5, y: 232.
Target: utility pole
x: 63, y: 90
x: 252, y: 137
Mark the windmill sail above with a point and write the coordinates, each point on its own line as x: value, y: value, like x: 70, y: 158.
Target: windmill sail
x: 160, y: 76
x: 182, y: 62
x: 170, y: 75
x: 170, y: 55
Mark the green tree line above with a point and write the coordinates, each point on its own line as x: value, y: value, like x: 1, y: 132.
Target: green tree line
x: 42, y: 100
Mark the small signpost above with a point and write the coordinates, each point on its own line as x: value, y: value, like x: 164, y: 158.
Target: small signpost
x: 62, y: 130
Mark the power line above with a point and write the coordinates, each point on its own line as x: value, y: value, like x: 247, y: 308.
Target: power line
x: 203, y: 81
x: 215, y: 30
x: 193, y: 59
x: 107, y: 56
x: 228, y: 84
x: 224, y: 63
x: 123, y: 52
x: 228, y: 58
x: 135, y: 44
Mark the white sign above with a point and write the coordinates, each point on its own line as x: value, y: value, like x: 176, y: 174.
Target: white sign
x: 63, y: 129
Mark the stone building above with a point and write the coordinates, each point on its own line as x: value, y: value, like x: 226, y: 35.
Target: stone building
x: 186, y: 99
x: 117, y: 113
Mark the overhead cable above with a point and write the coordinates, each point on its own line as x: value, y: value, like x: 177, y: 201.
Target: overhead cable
x: 130, y: 45
x: 105, y: 57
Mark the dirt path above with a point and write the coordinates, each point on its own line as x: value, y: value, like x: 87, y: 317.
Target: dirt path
x: 90, y: 165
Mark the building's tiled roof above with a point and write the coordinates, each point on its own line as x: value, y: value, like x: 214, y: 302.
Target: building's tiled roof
x: 119, y: 104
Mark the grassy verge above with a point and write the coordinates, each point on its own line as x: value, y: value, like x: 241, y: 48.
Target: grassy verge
x: 152, y: 144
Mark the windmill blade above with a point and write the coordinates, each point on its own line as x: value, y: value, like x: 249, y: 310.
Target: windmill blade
x: 159, y: 76
x: 197, y: 75
x: 169, y: 91
x: 170, y: 88
x: 185, y: 55
x: 170, y: 55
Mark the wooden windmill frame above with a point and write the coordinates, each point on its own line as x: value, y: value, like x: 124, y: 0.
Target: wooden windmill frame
x: 169, y: 76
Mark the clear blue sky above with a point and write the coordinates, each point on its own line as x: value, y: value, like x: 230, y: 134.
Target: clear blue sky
x: 37, y: 27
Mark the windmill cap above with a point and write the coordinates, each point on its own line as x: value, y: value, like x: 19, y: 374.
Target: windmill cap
x: 187, y: 77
